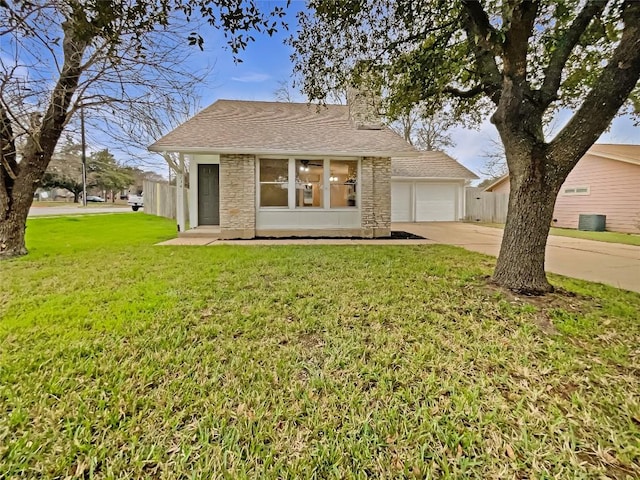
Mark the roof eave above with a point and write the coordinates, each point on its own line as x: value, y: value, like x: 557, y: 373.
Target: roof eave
x: 256, y: 151
x: 497, y: 182
x: 403, y: 177
x: 617, y: 158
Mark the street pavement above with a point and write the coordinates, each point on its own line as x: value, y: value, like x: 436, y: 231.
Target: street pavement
x: 73, y: 209
x: 610, y: 263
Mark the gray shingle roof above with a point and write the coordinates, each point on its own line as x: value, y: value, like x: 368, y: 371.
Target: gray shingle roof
x: 234, y: 126
x: 431, y: 164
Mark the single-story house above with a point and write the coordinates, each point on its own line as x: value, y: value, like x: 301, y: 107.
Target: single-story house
x: 428, y: 188
x: 287, y: 169
x: 606, y: 181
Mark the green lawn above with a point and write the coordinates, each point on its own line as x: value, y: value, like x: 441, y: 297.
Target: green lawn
x: 609, y: 237
x: 119, y: 359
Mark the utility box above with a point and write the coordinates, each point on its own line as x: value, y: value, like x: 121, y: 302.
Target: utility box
x: 592, y: 222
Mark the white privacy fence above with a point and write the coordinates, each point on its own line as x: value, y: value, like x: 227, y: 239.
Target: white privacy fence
x: 160, y: 199
x: 486, y: 206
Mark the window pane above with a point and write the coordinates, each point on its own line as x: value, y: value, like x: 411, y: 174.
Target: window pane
x: 343, y: 178
x: 309, y: 175
x: 274, y: 184
x: 274, y: 170
x: 274, y: 195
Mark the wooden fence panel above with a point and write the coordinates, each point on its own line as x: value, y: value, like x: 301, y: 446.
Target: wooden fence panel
x: 486, y: 206
x: 160, y: 199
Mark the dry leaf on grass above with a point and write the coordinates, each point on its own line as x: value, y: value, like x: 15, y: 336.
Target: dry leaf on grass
x: 509, y: 451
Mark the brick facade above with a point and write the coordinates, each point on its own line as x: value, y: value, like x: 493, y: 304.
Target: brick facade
x: 237, y: 196
x: 375, y: 196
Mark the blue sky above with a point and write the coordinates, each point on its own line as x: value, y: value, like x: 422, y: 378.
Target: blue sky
x: 267, y: 62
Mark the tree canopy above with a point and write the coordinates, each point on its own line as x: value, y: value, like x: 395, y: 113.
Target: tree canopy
x: 459, y: 52
x: 103, y: 170
x: 519, y: 60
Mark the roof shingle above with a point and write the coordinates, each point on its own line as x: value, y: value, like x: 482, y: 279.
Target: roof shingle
x: 432, y: 164
x: 235, y: 126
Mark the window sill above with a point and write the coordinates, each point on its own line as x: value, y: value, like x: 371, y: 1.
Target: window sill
x: 308, y: 209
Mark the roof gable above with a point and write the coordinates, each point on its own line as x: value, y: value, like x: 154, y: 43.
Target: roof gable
x: 235, y: 126
x: 621, y: 152
x: 626, y: 153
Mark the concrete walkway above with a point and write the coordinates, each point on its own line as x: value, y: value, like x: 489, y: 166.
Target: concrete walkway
x: 611, y: 263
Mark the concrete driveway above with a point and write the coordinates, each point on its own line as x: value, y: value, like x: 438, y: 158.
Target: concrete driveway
x: 611, y: 263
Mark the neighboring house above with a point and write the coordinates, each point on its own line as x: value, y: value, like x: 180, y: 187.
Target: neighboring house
x: 287, y: 169
x: 428, y: 188
x: 605, y: 181
x: 53, y: 194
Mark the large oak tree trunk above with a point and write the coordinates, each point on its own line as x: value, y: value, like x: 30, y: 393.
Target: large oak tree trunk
x: 538, y: 168
x: 12, y: 228
x: 19, y: 180
x: 18, y: 201
x: 521, y: 263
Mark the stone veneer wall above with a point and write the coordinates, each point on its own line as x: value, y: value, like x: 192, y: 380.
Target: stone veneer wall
x: 364, y: 108
x: 375, y: 196
x: 237, y: 196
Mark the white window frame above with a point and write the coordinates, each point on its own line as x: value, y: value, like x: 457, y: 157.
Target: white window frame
x: 326, y: 189
x: 259, y: 184
x: 573, y: 191
x: 325, y: 179
x: 358, y: 187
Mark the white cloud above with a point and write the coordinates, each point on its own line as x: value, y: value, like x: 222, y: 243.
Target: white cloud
x: 252, y: 78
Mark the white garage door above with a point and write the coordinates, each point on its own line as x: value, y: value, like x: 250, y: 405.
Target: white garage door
x: 401, y: 202
x: 435, y: 202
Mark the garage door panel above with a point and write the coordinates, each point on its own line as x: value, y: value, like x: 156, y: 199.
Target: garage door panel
x: 435, y: 203
x: 401, y: 202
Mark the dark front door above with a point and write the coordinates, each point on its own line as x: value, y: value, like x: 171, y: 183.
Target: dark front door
x: 208, y: 194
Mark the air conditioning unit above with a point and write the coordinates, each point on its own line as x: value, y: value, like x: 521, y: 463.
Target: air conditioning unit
x: 592, y: 222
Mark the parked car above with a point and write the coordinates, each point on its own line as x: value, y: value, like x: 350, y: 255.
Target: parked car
x: 136, y: 202
x: 94, y: 198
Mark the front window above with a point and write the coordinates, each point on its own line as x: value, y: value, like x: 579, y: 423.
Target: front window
x: 343, y: 179
x: 274, y: 183
x: 289, y: 183
x: 309, y: 183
